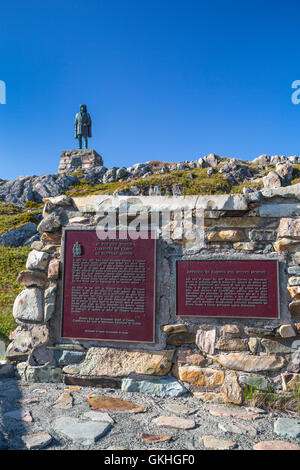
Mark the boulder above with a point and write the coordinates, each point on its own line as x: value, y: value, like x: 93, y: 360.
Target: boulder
x: 18, y: 236
x: 32, y: 278
x: 49, y: 224
x: 37, y: 260
x: 29, y: 305
x: 166, y: 387
x: 120, y: 363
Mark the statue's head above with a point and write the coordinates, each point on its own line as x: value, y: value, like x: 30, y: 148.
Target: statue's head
x: 83, y: 108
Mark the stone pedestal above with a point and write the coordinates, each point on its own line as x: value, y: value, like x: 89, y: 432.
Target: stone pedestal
x: 72, y: 160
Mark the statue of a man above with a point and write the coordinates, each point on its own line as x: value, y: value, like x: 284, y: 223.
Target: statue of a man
x: 83, y: 126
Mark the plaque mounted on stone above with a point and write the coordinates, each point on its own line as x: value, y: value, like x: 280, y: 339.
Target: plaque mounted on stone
x: 108, y: 286
x: 227, y: 288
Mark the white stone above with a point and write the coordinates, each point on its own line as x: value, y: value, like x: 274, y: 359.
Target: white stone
x: 287, y: 331
x: 205, y: 339
x: 160, y: 203
x: 28, y: 305
x: 37, y: 260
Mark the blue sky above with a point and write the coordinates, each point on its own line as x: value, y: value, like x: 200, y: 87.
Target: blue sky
x: 163, y: 80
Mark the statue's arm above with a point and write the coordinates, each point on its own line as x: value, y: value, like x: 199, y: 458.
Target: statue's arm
x: 75, y: 126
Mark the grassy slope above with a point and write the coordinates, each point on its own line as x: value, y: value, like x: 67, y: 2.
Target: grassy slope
x: 12, y: 261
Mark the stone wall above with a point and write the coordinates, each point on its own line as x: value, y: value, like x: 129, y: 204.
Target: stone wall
x: 213, y: 358
x: 71, y: 160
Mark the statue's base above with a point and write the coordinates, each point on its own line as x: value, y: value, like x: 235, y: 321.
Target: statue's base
x: 73, y: 160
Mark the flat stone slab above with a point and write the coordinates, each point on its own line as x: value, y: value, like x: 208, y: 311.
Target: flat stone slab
x: 121, y: 363
x: 179, y: 409
x: 152, y: 438
x: 214, y: 443
x: 37, y: 441
x: 20, y: 415
x: 174, y: 422
x: 168, y: 387
x: 99, y: 416
x: 237, y: 428
x: 91, y: 204
x: 101, y: 402
x: 64, y: 401
x: 232, y: 412
x: 275, y: 445
x: 287, y: 427
x: 84, y: 433
x: 249, y: 363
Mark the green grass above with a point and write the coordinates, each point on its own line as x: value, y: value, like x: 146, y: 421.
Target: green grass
x: 271, y: 401
x: 251, y: 184
x: 12, y: 261
x: 12, y: 216
x: 33, y: 205
x: 199, y: 184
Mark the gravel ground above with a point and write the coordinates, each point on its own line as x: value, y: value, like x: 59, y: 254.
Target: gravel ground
x: 128, y: 427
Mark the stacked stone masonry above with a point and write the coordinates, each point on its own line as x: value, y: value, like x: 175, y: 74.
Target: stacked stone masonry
x: 72, y: 160
x: 213, y: 358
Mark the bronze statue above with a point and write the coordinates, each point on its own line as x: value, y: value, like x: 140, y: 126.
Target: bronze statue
x: 83, y: 126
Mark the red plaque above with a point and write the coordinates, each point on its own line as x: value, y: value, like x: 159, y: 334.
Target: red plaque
x: 108, y: 287
x: 237, y: 289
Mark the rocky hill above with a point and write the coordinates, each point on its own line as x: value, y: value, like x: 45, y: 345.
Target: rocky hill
x: 21, y: 200
x: 20, y: 209
x: 208, y: 175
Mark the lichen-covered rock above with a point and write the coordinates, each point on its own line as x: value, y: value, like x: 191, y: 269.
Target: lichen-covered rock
x: 32, y: 278
x: 49, y: 301
x: 165, y: 387
x: 53, y: 269
x: 294, y: 281
x: 230, y: 330
x: 290, y: 382
x: 286, y: 244
x: 276, y: 347
x: 287, y: 331
x: 49, y: 223
x: 232, y: 344
x: 27, y: 337
x: 189, y: 356
x: 199, y: 376
x: 206, y: 338
x: 272, y: 180
x: 29, y: 305
x: 294, y: 292
x: 41, y: 355
x: 37, y: 260
x: 294, y: 364
x: 294, y: 308
x: 43, y: 374
x: 226, y: 236
x: 120, y: 363
x: 18, y: 236
x: 249, y: 363
x: 176, y: 328
x: 256, y: 382
x: 231, y: 391
x: 177, y: 339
